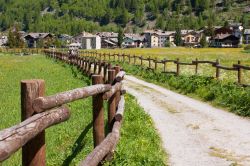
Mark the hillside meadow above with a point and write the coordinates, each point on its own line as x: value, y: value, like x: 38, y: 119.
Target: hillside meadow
x: 68, y: 143
x: 226, y: 56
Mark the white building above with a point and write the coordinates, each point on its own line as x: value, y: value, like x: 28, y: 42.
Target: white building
x: 3, y: 40
x: 247, y: 36
x: 88, y: 40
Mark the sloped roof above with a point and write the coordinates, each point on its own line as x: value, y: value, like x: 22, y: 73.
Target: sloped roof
x: 185, y: 31
x: 85, y: 34
x: 223, y: 36
x: 107, y: 34
x: 38, y: 35
x: 247, y: 32
x: 108, y: 41
x: 134, y: 37
x: 159, y: 32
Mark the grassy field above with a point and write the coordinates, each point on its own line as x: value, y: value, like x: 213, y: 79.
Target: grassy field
x: 223, y: 93
x: 70, y: 142
x: 227, y: 57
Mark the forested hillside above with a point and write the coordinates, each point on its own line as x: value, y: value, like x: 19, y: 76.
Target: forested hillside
x: 73, y: 16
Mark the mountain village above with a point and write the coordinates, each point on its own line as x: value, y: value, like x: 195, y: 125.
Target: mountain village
x: 233, y: 35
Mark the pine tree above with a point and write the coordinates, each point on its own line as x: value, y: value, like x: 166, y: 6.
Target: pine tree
x: 203, y: 41
x: 178, y: 40
x: 120, y: 37
x: 11, y: 39
x: 14, y: 38
x: 160, y: 23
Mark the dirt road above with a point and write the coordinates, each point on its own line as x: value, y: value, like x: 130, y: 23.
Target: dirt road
x: 193, y: 133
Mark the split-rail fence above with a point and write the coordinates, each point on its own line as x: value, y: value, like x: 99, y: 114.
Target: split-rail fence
x: 154, y: 64
x: 39, y: 112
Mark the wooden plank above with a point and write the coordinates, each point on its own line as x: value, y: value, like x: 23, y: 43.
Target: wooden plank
x: 120, y: 109
x: 43, y: 103
x: 108, y: 145
x: 14, y: 138
x: 119, y: 76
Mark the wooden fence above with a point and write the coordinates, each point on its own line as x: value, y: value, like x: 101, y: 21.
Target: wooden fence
x: 40, y: 112
x: 153, y: 63
x: 22, y: 51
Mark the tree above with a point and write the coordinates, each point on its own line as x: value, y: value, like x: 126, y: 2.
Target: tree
x: 11, y: 39
x: 203, y: 41
x: 226, y: 24
x: 178, y: 40
x: 120, y: 37
x: 160, y: 22
x: 14, y: 38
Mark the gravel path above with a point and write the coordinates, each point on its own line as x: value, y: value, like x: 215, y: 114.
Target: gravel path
x: 193, y: 133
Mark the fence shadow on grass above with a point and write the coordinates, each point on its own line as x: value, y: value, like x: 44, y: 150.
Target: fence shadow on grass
x: 78, y: 146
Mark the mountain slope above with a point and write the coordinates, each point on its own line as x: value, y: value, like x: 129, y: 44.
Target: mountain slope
x: 74, y: 16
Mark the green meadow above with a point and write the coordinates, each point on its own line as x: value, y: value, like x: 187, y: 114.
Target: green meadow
x: 226, y: 56
x: 68, y: 143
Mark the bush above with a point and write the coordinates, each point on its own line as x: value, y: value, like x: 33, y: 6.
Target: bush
x: 247, y: 47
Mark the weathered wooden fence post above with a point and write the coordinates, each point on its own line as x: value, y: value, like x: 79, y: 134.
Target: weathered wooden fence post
x: 105, y: 69
x: 123, y: 57
x: 114, y: 57
x: 119, y: 57
x: 95, y: 66
x: 33, y: 153
x: 141, y: 60
x: 177, y: 67
x: 111, y: 101
x: 149, y: 63
x: 99, y: 67
x: 155, y: 64
x: 98, y: 113
x: 217, y: 69
x: 117, y: 94
x: 239, y: 73
x: 196, y: 66
x: 164, y: 66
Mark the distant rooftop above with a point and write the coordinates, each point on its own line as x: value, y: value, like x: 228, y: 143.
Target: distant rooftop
x: 107, y: 34
x: 247, y: 32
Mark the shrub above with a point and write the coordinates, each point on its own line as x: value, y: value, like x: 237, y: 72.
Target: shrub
x: 247, y: 47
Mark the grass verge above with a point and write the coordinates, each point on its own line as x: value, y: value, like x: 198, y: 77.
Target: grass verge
x: 220, y: 93
x: 68, y: 143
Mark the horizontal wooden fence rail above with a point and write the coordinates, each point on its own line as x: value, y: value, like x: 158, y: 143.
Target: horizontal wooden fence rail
x: 39, y: 112
x: 22, y: 51
x: 14, y: 138
x: 153, y: 64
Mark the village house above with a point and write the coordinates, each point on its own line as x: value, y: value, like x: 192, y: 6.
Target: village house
x: 33, y: 39
x: 65, y: 38
x: 158, y: 38
x: 151, y: 38
x: 3, y: 40
x: 108, y: 39
x: 191, y: 38
x: 165, y: 37
x: 133, y: 41
x: 230, y: 36
x: 246, y: 36
x: 88, y: 40
x: 224, y: 40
